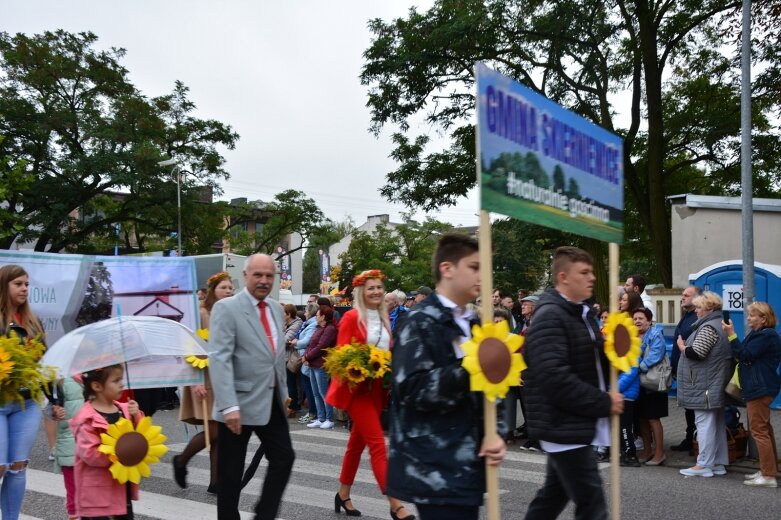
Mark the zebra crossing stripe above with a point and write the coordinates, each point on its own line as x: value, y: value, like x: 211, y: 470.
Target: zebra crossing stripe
x: 162, y: 507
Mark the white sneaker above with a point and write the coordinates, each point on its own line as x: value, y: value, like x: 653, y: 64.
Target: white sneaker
x: 761, y: 481
x: 719, y: 470
x: 691, y: 472
x: 305, y: 419
x: 752, y: 476
x: 326, y: 425
x: 314, y: 424
x: 51, y: 455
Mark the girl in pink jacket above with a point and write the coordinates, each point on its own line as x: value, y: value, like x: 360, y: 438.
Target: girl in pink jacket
x: 98, y: 495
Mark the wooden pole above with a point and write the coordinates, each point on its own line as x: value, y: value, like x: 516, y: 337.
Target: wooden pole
x: 489, y: 408
x: 205, y: 423
x: 615, y: 469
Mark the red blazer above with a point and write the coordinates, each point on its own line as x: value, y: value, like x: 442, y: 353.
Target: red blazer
x: 339, y: 394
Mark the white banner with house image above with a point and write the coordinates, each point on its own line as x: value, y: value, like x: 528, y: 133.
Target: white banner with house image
x: 69, y: 291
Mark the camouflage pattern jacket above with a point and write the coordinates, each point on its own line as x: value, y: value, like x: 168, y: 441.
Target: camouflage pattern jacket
x: 436, y: 423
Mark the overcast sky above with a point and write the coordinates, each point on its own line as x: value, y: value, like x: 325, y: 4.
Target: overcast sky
x: 284, y: 74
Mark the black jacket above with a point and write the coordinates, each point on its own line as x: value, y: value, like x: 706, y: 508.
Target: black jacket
x: 561, y: 385
x: 436, y: 423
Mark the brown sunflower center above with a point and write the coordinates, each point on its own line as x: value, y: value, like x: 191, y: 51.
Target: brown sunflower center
x: 131, y: 448
x: 622, y: 340
x: 494, y: 358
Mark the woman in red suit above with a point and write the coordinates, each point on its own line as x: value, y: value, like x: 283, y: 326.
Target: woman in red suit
x: 367, y: 322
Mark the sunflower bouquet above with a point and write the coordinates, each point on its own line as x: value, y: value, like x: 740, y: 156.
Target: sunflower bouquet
x: 20, y: 368
x: 357, y: 363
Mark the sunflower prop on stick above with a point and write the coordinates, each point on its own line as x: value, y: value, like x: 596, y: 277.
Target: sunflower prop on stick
x: 622, y: 342
x: 492, y: 359
x: 201, y: 362
x: 131, y: 450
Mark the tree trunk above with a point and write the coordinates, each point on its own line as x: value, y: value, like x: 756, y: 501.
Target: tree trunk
x: 598, y: 250
x: 658, y: 225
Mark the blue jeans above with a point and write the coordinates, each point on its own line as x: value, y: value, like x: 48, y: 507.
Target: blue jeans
x: 319, y: 380
x: 306, y: 383
x: 18, y: 427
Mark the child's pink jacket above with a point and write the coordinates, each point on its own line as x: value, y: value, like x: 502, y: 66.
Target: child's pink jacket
x: 97, y: 493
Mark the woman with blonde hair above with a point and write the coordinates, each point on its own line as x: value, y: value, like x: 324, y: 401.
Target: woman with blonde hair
x: 18, y: 421
x: 218, y: 286
x: 367, y: 323
x: 703, y: 372
x: 758, y: 357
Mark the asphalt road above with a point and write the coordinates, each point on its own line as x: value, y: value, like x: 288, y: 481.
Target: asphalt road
x: 646, y: 493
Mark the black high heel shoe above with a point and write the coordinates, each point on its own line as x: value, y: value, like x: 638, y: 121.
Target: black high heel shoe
x: 339, y: 504
x: 395, y: 517
x: 180, y: 473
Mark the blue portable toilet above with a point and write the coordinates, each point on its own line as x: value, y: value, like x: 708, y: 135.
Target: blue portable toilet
x: 726, y: 280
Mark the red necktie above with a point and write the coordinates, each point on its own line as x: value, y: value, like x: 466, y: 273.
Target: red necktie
x: 266, y: 326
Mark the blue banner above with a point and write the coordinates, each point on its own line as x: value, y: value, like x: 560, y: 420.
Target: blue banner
x: 543, y: 164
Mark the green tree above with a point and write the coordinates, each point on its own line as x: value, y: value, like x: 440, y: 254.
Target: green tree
x: 573, y: 189
x: 558, y: 178
x: 403, y: 252
x: 98, y: 296
x: 13, y: 178
x: 83, y: 132
x: 522, y: 255
x: 329, y: 234
x: 291, y: 211
x: 578, y: 53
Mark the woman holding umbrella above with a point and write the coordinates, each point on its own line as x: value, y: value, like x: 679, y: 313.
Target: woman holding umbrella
x: 18, y: 422
x: 219, y: 286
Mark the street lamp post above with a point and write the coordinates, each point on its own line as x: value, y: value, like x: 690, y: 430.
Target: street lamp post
x: 172, y: 162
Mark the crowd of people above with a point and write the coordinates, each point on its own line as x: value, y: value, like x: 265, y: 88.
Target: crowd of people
x: 267, y: 369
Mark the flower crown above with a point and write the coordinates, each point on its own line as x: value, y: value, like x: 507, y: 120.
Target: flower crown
x: 218, y: 277
x: 360, y: 279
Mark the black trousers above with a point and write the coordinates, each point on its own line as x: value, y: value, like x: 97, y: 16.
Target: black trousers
x: 690, y: 426
x: 445, y: 512
x: 627, y: 429
x: 571, y: 475
x: 232, y: 450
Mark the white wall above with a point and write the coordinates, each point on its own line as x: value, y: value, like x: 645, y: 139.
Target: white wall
x: 702, y: 236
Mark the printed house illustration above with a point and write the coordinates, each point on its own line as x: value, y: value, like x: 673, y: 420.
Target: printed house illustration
x: 165, y: 303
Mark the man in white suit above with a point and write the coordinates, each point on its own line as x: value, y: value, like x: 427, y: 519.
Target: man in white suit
x: 248, y: 378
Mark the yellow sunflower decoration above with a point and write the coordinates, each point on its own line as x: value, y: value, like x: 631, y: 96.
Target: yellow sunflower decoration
x: 356, y: 373
x: 203, y: 334
x: 131, y: 450
x: 6, y: 364
x: 622, y: 342
x: 199, y: 362
x: 492, y: 359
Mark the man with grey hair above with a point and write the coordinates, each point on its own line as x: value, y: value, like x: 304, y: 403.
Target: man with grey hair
x: 247, y: 368
x: 684, y: 329
x: 398, y: 308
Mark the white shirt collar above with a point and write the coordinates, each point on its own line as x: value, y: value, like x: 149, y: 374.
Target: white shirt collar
x: 459, y: 312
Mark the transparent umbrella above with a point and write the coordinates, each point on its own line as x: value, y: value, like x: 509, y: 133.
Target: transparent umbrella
x: 123, y: 339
